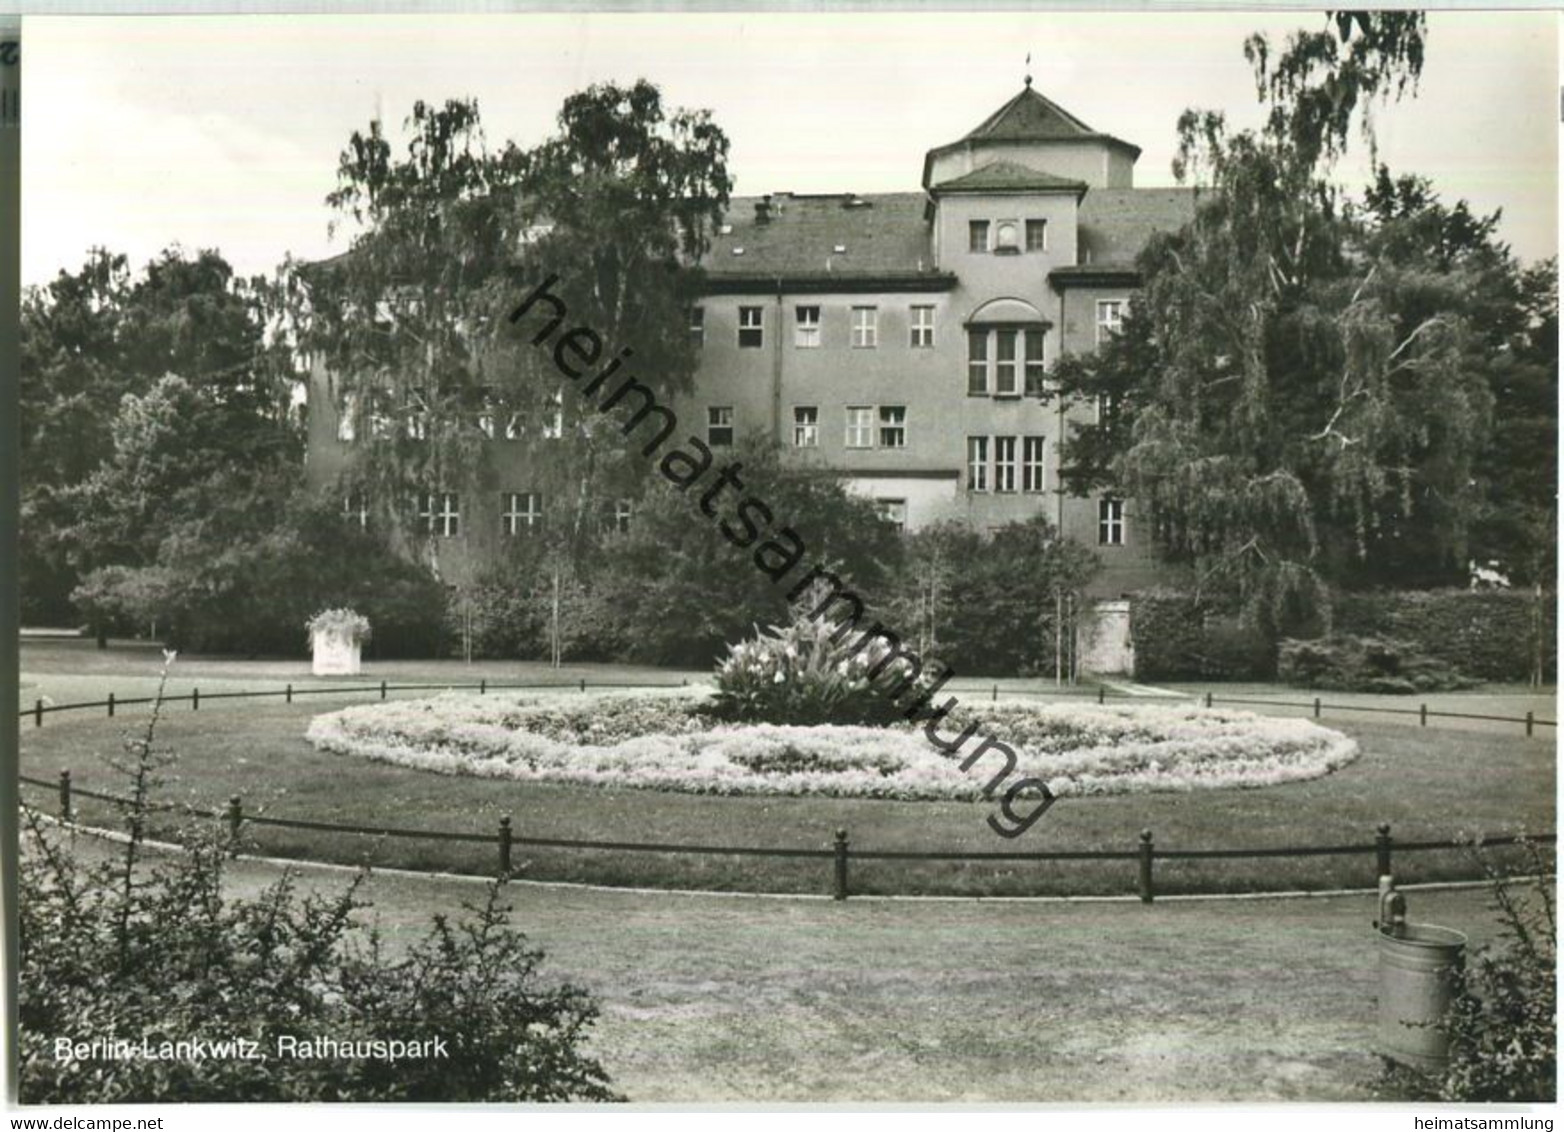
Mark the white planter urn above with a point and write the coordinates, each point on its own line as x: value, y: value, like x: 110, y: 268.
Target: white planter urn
x: 336, y: 652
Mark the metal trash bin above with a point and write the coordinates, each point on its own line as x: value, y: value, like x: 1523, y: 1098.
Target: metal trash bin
x: 1418, y: 964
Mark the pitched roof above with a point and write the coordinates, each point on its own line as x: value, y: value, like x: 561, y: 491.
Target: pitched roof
x: 1031, y: 117
x: 1008, y: 176
x: 1114, y: 224
x: 878, y: 234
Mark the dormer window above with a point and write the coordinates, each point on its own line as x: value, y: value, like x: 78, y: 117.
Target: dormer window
x: 1007, y: 238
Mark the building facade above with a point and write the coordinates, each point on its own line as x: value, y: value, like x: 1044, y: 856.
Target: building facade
x: 901, y: 340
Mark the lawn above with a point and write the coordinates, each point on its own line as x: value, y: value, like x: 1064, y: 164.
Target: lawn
x: 1428, y: 783
x: 735, y: 999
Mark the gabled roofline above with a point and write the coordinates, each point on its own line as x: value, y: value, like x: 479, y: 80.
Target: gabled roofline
x: 970, y: 143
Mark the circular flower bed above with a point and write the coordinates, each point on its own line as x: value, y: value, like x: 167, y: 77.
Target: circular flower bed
x: 664, y: 741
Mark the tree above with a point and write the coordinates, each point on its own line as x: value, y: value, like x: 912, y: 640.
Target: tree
x: 1300, y: 394
x: 413, y: 323
x: 93, y: 338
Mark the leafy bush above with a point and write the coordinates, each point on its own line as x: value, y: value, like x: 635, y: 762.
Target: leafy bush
x: 339, y: 622
x: 811, y: 672
x: 1178, y: 638
x: 118, y: 950
x: 1365, y: 664
x: 1502, y: 1022
x: 1491, y: 635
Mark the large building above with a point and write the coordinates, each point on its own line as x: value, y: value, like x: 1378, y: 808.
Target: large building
x: 903, y: 340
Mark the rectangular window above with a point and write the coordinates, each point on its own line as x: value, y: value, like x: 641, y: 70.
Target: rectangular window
x: 977, y: 463
x: 1032, y: 451
x: 1005, y: 363
x: 860, y: 426
x: 719, y: 426
x: 894, y: 511
x: 441, y: 513
x: 752, y: 327
x: 1034, y: 363
x: 977, y: 235
x: 380, y: 424
x: 806, y: 327
x: 893, y: 426
x: 513, y: 426
x: 698, y: 325
x: 1037, y: 235
x: 977, y: 362
x: 485, y: 423
x: 866, y: 329
x: 624, y: 511
x: 806, y: 426
x: 523, y: 512
x: 355, y: 508
x: 1110, y: 317
x: 1110, y: 522
x: 922, y: 328
x: 1004, y: 463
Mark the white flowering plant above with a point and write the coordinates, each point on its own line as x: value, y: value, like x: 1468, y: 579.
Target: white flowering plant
x: 346, y: 623
x: 670, y: 741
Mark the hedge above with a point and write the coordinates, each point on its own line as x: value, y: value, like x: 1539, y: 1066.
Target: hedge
x: 1487, y: 634
x: 1176, y: 638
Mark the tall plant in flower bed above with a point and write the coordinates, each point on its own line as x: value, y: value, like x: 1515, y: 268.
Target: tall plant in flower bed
x: 810, y: 672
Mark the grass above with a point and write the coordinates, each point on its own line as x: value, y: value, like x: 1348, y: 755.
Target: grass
x: 1429, y: 784
x: 719, y: 999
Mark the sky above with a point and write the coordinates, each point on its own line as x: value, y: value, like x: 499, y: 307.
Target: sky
x: 224, y: 131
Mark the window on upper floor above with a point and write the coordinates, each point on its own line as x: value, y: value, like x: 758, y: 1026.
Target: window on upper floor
x: 922, y: 320
x: 752, y: 321
x: 1005, y: 363
x: 1033, y: 452
x: 893, y: 426
x: 1004, y: 463
x: 554, y: 417
x: 514, y: 428
x: 440, y: 512
x: 866, y: 327
x: 860, y: 426
x: 806, y: 327
x: 355, y: 508
x: 719, y: 426
x: 1036, y: 370
x: 1110, y: 522
x: 1037, y: 235
x: 806, y: 426
x: 1110, y: 318
x: 977, y: 235
x: 522, y: 513
x: 619, y: 520
x: 977, y: 363
x: 977, y: 463
x: 347, y: 424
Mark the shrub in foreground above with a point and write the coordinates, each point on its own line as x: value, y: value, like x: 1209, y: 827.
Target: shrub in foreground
x: 120, y: 951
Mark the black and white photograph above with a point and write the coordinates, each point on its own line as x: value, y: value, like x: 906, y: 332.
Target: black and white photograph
x: 784, y: 558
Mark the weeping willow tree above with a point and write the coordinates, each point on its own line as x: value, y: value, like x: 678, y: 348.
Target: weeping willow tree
x: 449, y: 234
x: 1298, y: 392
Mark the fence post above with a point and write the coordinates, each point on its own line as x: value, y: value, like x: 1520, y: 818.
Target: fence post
x: 1530, y: 723
x: 382, y: 689
x: 1102, y: 694
x: 235, y: 817
x: 1147, y: 891
x: 38, y: 713
x: 288, y: 694
x: 65, y: 795
x: 1208, y: 699
x: 505, y: 841
x: 840, y: 892
x: 1382, y: 848
x: 111, y: 705
x: 1422, y: 715
x: 195, y: 699
x: 1316, y: 707
x: 583, y: 685
x: 483, y: 686
x: 995, y: 697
